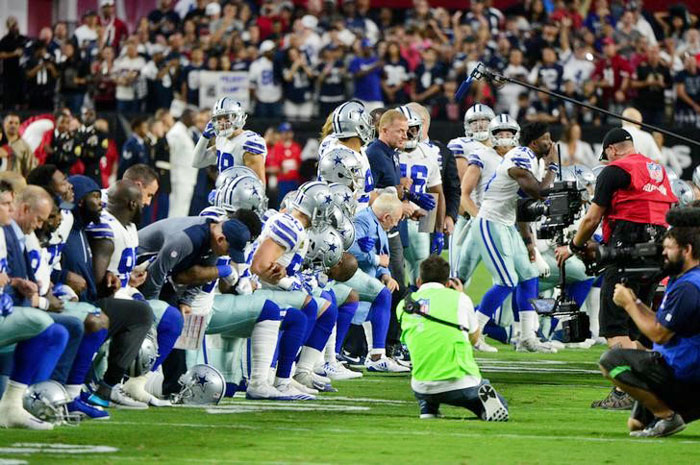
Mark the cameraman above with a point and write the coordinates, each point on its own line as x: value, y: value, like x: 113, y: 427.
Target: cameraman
x: 664, y: 382
x: 439, y: 326
x: 632, y: 196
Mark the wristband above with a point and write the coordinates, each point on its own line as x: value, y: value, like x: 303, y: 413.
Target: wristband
x: 224, y: 270
x: 553, y: 167
x: 575, y: 248
x: 43, y: 303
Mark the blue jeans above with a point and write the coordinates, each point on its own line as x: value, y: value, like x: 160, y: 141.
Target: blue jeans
x: 129, y: 106
x: 268, y: 110
x: 75, y: 336
x: 74, y: 102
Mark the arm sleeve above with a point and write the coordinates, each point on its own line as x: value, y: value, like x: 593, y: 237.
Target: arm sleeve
x: 375, y: 166
x: 450, y: 184
x: 203, y: 157
x: 466, y: 316
x: 172, y: 252
x: 255, y: 144
x: 679, y: 308
x: 611, y: 179
x: 364, y: 259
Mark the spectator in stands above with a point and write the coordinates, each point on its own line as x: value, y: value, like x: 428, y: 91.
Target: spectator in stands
x: 575, y: 151
x: 114, y: 31
x: 108, y: 163
x: 429, y: 78
x: 651, y: 80
x: 131, y: 85
x: 73, y: 78
x: 549, y: 74
x: 86, y: 36
x: 284, y: 161
x: 16, y: 154
x: 59, y: 37
x: 688, y: 91
x: 190, y: 77
x: 366, y: 70
x: 163, y: 20
x: 161, y: 77
x: 135, y: 151
x: 41, y: 75
x: 612, y: 76
x: 578, y: 66
x: 11, y: 50
x: 104, y: 80
x: 331, y: 72
x: 626, y: 34
x: 297, y: 76
x: 265, y: 88
x: 396, y: 76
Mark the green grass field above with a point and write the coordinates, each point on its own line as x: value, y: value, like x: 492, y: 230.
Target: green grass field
x: 374, y: 420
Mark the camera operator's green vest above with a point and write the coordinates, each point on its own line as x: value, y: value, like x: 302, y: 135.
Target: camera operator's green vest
x: 438, y: 352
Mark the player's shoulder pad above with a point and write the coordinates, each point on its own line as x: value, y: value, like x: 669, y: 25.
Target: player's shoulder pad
x: 285, y: 230
x: 254, y: 143
x: 101, y: 230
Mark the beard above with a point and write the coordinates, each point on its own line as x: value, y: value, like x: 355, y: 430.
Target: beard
x: 674, y: 267
x: 90, y: 216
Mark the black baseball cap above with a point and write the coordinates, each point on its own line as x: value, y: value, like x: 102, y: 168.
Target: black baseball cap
x: 614, y: 136
x: 237, y: 235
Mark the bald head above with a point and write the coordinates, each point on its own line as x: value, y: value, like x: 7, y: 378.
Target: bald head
x: 633, y: 114
x: 124, y: 200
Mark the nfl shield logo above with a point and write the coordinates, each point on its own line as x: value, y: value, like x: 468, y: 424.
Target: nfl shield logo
x: 655, y: 171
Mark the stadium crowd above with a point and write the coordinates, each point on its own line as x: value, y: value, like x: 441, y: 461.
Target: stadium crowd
x: 116, y: 261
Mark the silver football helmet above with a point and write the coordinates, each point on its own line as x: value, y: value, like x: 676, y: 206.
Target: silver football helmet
x: 683, y: 191
x: 146, y: 358
x: 228, y: 115
x: 476, y: 121
x: 350, y: 119
x: 696, y: 176
x: 48, y: 401
x: 344, y: 198
x: 243, y: 192
x: 672, y: 176
x: 343, y: 166
x: 504, y: 122
x: 286, y: 203
x: 314, y: 199
x: 415, y: 128
x: 219, y: 214
x: 343, y: 224
x: 201, y: 385
x: 232, y: 173
x: 325, y: 248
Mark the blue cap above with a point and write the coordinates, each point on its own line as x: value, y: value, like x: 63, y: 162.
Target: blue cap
x: 366, y: 43
x: 82, y: 186
x: 284, y: 127
x: 237, y: 236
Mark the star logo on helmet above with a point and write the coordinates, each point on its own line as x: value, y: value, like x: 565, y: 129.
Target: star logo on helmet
x: 202, y: 381
x: 578, y: 171
x: 332, y: 247
x: 347, y: 197
x: 35, y: 397
x: 337, y: 160
x: 329, y: 199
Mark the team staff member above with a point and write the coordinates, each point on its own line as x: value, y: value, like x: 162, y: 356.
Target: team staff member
x: 664, y: 382
x: 632, y: 196
x: 444, y: 369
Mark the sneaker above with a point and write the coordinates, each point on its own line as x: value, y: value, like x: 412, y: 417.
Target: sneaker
x: 156, y: 402
x: 292, y: 393
x: 337, y: 371
x: 85, y: 410
x: 534, y: 345
x: 385, y: 365
x: 120, y: 399
x: 661, y: 427
x: 556, y: 344
x: 91, y: 398
x: 616, y: 400
x: 494, y: 409
x: 313, y: 381
x: 483, y: 346
x: 302, y: 388
x: 430, y: 416
x: 402, y: 356
x: 350, y: 360
x: 264, y: 392
x: 20, y: 418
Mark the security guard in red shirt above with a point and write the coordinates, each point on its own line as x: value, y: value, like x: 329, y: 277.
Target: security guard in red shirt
x: 632, y: 196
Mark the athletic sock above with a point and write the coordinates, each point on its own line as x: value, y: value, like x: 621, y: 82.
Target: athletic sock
x: 379, y: 315
x: 308, y: 358
x: 168, y: 330
x: 73, y: 390
x: 345, y: 314
x: 36, y: 358
x: 86, y: 353
x: 593, y: 303
x: 293, y: 327
x: 264, y: 341
x: 483, y: 320
x: 13, y: 397
x: 329, y: 350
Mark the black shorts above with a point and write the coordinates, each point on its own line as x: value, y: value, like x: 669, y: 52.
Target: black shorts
x: 614, y: 320
x: 649, y: 371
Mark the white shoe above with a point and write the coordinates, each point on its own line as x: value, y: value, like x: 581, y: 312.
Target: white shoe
x: 385, y: 365
x: 120, y: 399
x: 288, y: 390
x: 264, y: 392
x: 136, y: 389
x: 337, y: 371
x: 20, y: 418
x: 483, y: 346
x: 156, y: 402
x: 534, y: 345
x: 494, y: 409
x: 312, y: 381
x: 302, y: 388
x: 556, y: 344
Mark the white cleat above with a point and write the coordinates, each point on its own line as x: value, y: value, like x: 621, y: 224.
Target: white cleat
x: 385, y: 365
x: 313, y: 381
x: 337, y: 371
x: 264, y: 392
x: 534, y: 345
x: 302, y: 388
x: 20, y: 418
x: 494, y: 409
x: 121, y: 399
x: 293, y: 393
x: 483, y: 346
x: 156, y: 402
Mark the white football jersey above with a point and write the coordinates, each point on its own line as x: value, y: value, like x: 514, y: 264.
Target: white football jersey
x: 329, y: 143
x: 287, y: 232
x: 462, y: 147
x: 229, y: 151
x: 502, y: 191
x: 58, y: 240
x: 487, y: 159
x: 39, y: 263
x: 422, y: 167
x: 125, y: 239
